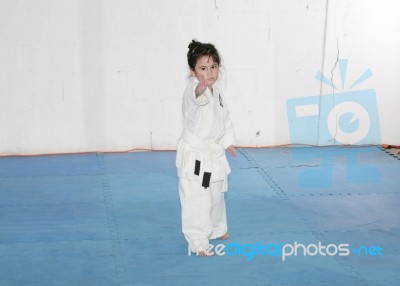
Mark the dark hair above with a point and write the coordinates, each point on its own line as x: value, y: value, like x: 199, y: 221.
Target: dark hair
x: 198, y: 50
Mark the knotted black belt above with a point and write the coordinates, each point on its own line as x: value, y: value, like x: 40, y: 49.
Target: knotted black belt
x: 206, y: 175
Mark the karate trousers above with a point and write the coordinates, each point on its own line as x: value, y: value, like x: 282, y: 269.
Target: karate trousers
x: 203, y: 213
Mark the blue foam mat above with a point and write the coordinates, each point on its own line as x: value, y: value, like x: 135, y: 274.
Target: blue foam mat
x: 114, y: 219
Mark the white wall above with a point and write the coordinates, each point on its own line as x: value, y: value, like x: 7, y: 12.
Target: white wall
x: 366, y: 33
x: 108, y: 75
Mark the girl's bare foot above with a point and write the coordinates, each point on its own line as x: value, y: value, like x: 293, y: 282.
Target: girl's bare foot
x: 225, y: 236
x: 204, y: 253
x: 207, y: 252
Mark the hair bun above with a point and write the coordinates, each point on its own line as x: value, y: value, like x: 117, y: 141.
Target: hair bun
x: 194, y: 44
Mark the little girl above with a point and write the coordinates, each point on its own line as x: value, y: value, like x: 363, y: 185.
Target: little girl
x: 201, y: 162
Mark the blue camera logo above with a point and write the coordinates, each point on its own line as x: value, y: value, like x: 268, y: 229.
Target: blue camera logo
x: 349, y: 117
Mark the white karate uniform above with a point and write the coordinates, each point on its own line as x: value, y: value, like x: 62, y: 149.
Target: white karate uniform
x: 202, y: 165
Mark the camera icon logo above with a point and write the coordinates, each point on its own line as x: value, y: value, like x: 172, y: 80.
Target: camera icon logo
x: 348, y: 117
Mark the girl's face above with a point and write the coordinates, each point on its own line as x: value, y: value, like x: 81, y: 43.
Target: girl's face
x: 206, y: 69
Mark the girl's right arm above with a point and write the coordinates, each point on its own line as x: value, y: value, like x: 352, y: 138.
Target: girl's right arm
x: 201, y: 87
x: 193, y: 98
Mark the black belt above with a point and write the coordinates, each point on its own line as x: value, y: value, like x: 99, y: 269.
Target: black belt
x: 206, y: 175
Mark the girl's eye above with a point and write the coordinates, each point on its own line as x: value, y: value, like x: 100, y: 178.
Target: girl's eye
x: 203, y: 69
x: 214, y: 67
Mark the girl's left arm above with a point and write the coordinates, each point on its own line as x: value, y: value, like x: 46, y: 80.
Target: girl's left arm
x: 228, y: 140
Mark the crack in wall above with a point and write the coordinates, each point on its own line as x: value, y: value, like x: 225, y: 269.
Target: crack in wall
x: 322, y: 68
x: 333, y: 84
